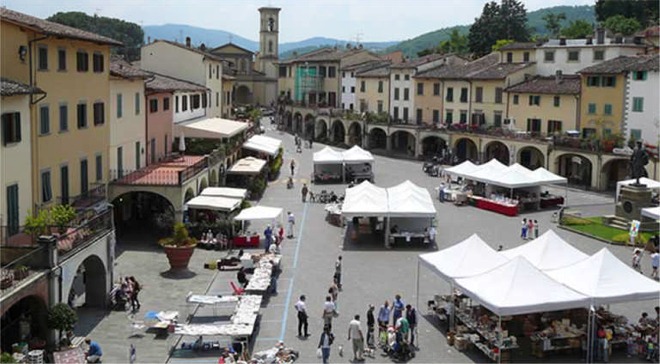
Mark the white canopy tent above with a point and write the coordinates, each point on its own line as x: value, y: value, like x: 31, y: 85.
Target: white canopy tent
x: 211, y: 128
x: 365, y: 199
x: 328, y: 155
x: 651, y: 212
x: 548, y: 177
x: 409, y: 200
x: 215, y: 203
x: 225, y: 192
x: 462, y: 169
x: 607, y: 280
x: 357, y: 155
x: 548, y: 251
x: 264, y: 144
x: 650, y: 183
x: 259, y: 213
x: 485, y: 171
x: 248, y: 165
x: 517, y: 287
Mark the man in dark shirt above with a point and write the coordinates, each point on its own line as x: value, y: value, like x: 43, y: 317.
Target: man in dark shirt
x: 371, y: 322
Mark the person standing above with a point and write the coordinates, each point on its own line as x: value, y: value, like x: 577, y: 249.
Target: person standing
x: 268, y: 234
x: 291, y: 221
x: 337, y: 276
x: 637, y: 260
x: 371, y: 322
x: 441, y: 192
x: 304, y: 192
x: 329, y: 310
x: 397, y: 308
x: 303, y: 325
x: 355, y: 334
x: 655, y: 261
x: 292, y: 166
x: 530, y: 228
x: 402, y: 328
x: 132, y: 354
x: 523, y: 231
x: 383, y: 317
x: 432, y: 234
x: 280, y: 233
x: 536, y: 229
x: 411, y: 316
x: 325, y: 343
x: 135, y: 289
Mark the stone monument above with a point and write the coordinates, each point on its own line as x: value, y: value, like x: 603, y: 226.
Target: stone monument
x: 633, y: 198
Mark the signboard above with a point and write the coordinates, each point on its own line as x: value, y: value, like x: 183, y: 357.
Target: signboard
x: 634, y: 228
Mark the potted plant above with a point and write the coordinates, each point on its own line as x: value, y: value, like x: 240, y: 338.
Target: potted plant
x: 36, y: 225
x: 20, y: 272
x: 179, y: 247
x: 61, y: 216
x: 61, y: 317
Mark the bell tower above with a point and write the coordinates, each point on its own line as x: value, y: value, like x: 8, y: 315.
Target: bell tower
x: 269, y: 40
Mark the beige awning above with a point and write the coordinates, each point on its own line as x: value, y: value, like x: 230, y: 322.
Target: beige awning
x: 212, y: 128
x: 249, y: 165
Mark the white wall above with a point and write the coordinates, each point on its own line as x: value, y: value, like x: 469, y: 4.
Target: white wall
x: 191, y: 113
x: 348, y: 98
x: 647, y: 121
x: 130, y: 128
x: 586, y: 57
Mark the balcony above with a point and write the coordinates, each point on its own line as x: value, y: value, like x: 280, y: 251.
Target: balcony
x: 92, y: 197
x: 174, y: 171
x: 86, y: 232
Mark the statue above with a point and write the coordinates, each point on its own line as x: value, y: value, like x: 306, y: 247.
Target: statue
x: 638, y: 161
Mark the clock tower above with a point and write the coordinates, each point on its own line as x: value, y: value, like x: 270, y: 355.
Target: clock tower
x: 268, y: 41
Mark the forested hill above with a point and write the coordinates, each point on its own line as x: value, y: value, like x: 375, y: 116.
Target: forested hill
x: 535, y: 21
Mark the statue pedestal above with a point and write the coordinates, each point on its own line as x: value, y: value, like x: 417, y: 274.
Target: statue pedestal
x: 632, y: 199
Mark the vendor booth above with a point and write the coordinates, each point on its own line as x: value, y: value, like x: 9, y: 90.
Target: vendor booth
x: 651, y: 212
x: 246, y: 172
x: 263, y: 144
x: 328, y: 165
x: 358, y: 164
x: 254, y: 214
x: 355, y: 164
x: 225, y: 192
x: 212, y: 213
x: 548, y: 251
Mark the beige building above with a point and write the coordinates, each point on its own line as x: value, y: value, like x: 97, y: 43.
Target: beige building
x: 15, y: 156
x: 127, y: 117
x: 71, y: 133
x: 371, y: 87
x: 188, y: 63
x: 518, y: 52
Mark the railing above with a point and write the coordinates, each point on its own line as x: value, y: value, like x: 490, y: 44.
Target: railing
x: 216, y: 156
x: 145, y: 176
x: 77, y: 238
x: 90, y: 198
x: 19, y: 238
x: 191, y: 171
x: 20, y: 268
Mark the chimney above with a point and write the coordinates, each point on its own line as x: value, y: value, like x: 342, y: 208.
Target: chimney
x: 558, y: 76
x: 562, y: 41
x: 348, y: 46
x: 590, y: 40
x: 202, y: 47
x: 188, y: 42
x: 618, y: 38
x: 600, y: 36
x: 360, y: 46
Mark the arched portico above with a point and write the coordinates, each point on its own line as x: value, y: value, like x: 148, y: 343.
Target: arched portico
x: 28, y: 314
x: 576, y: 168
x: 531, y: 157
x: 135, y: 211
x: 87, y: 285
x: 297, y: 122
x: 355, y: 134
x: 309, y: 127
x: 466, y: 149
x: 321, y: 129
x: 377, y: 139
x: 403, y: 142
x: 433, y: 146
x: 213, y: 179
x: 338, y: 132
x: 612, y: 171
x: 288, y: 117
x: 243, y: 95
x: 497, y: 150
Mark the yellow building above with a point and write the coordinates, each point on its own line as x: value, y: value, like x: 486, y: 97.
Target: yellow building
x: 603, y: 89
x: 70, y: 132
x: 544, y: 105
x: 429, y: 100
x: 373, y: 88
x: 518, y: 52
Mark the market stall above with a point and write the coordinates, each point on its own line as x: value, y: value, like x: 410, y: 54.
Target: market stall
x: 328, y: 165
x: 651, y: 212
x: 245, y: 171
x: 254, y: 214
x: 358, y: 164
x: 548, y: 251
x: 225, y: 192
x: 411, y: 210
x: 263, y: 144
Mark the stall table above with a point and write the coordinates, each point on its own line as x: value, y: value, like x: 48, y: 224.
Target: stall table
x: 499, y: 207
x: 551, y: 201
x: 246, y: 241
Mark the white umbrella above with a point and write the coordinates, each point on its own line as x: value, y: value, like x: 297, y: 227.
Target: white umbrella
x: 182, y: 144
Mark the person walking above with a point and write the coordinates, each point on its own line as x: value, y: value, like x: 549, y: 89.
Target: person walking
x: 329, y: 311
x: 325, y: 343
x: 291, y: 221
x: 655, y: 261
x: 371, y: 322
x: 432, y: 234
x: 536, y: 229
x: 397, y: 308
x: 337, y: 276
x: 280, y: 233
x: 268, y: 234
x: 303, y: 325
x: 383, y: 317
x: 355, y: 334
x: 135, y: 290
x: 333, y: 291
x: 637, y: 260
x: 523, y: 231
x: 530, y: 228
x: 411, y: 316
x: 292, y: 165
x: 304, y: 192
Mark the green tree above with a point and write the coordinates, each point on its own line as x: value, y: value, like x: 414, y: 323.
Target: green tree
x: 577, y: 29
x: 61, y: 317
x: 646, y: 12
x: 505, y: 21
x: 620, y: 24
x: 130, y: 34
x: 553, y: 23
x: 457, y: 43
x: 501, y: 43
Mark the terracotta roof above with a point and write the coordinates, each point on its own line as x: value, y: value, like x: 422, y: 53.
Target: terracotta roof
x: 51, y: 28
x: 162, y: 83
x: 365, y: 66
x: 461, y: 70
x: 568, y: 84
x: 498, y: 71
x: 192, y: 49
x: 328, y: 54
x: 10, y: 88
x: 518, y: 45
x: 121, y: 68
x: 230, y: 44
x: 419, y: 61
x: 624, y: 64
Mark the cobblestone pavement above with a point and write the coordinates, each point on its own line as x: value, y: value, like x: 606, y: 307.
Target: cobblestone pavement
x: 371, y: 274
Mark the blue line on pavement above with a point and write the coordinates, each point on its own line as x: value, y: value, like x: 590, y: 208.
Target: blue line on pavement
x: 287, y: 303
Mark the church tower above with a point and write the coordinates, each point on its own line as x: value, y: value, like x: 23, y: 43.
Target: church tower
x: 269, y: 40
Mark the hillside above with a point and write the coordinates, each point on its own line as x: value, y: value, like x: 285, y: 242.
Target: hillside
x: 410, y: 47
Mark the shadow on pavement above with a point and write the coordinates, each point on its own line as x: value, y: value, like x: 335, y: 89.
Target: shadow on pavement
x: 178, y: 274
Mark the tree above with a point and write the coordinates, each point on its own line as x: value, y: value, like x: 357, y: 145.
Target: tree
x: 505, y: 21
x: 646, y: 12
x: 130, y: 34
x: 620, y: 24
x: 457, y: 43
x: 500, y: 43
x: 61, y: 317
x: 577, y: 29
x: 553, y: 23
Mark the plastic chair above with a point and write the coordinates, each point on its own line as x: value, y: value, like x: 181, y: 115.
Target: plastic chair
x: 238, y: 291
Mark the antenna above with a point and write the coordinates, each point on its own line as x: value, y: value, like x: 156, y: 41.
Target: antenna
x: 358, y: 36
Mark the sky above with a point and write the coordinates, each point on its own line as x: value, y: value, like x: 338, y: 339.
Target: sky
x: 363, y: 20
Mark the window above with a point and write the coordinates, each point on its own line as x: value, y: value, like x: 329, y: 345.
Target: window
x: 436, y: 89
x: 343, y: 89
x: 573, y: 56
x: 396, y: 93
x: 97, y: 60
x: 332, y: 72
x: 396, y: 113
x: 593, y: 81
x: 81, y: 112
x: 406, y: 94
x: 516, y: 99
x: 322, y: 71
x: 419, y: 115
x: 64, y: 118
x: 61, y: 59
x: 464, y: 94
x: 406, y: 77
x: 46, y: 191
x: 588, y: 132
x: 556, y: 101
x: 44, y: 120
x: 380, y: 106
x: 166, y: 103
x: 609, y: 81
x: 99, y: 167
x: 217, y: 72
x: 153, y: 105
x: 64, y: 183
x: 450, y: 94
x: 137, y: 103
x: 43, y: 58
x: 82, y: 61
x: 526, y: 57
x: 463, y: 117
x: 99, y: 113
x: 176, y: 103
x: 534, y: 100
x: 607, y: 109
x: 479, y: 95
x: 397, y: 77
x: 120, y: 106
x: 11, y: 128
x: 13, y: 218
x: 436, y: 116
x: 210, y: 70
x: 184, y: 103
x: 498, y: 95
x: 84, y: 177
x: 195, y: 102
x: 509, y: 57
x: 497, y: 119
x: 449, y: 116
x: 599, y: 54
x: 405, y: 114
x: 635, y: 134
x: 282, y: 71
x: 549, y: 56
x: 554, y: 126
x: 591, y: 108
x: 217, y: 99
x: 638, y: 104
x: 352, y: 74
x: 343, y: 75
x: 380, y: 87
x: 352, y: 89
x: 639, y: 75
x: 363, y: 86
x: 120, y: 162
x: 420, y: 88
x: 534, y: 125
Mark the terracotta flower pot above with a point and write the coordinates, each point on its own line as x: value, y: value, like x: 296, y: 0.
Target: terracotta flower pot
x: 179, y: 256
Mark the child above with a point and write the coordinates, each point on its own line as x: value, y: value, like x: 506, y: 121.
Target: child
x: 523, y: 231
x: 637, y: 259
x: 530, y: 228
